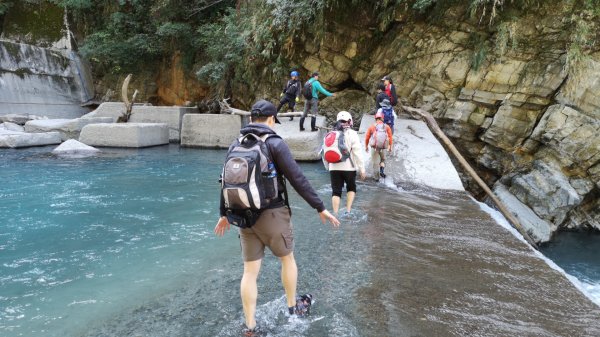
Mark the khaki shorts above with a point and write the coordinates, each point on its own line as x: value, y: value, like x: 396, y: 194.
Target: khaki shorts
x: 274, y: 230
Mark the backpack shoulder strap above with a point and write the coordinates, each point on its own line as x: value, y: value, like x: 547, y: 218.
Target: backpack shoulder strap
x: 283, y: 182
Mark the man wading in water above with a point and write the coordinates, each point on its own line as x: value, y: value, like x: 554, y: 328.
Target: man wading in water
x: 273, y: 227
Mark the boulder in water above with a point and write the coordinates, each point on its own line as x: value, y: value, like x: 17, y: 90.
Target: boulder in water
x: 71, y: 147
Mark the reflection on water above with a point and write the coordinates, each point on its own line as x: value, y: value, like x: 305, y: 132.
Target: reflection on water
x: 122, y: 246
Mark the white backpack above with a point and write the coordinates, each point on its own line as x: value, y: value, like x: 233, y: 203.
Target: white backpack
x: 379, y: 138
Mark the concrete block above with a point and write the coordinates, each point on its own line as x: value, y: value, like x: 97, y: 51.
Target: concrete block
x: 17, y: 119
x: 15, y: 139
x: 210, y: 130
x: 68, y: 128
x: 170, y: 115
x: 305, y: 145
x: 12, y: 127
x: 125, y: 134
x: 108, y: 109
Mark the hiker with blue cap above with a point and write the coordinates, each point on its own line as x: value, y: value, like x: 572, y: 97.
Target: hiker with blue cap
x: 290, y: 93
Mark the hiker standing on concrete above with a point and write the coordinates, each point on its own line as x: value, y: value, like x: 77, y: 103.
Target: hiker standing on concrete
x: 344, y: 172
x: 390, y: 90
x: 271, y: 225
x: 377, y: 140
x: 381, y: 95
x: 290, y: 93
x: 310, y: 91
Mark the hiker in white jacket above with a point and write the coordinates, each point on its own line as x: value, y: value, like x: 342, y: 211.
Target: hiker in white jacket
x: 345, y: 171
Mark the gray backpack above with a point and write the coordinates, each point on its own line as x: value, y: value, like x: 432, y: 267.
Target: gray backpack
x: 248, y: 180
x: 379, y: 138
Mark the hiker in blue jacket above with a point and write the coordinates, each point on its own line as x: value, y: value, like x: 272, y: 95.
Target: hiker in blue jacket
x: 311, y: 104
x: 290, y: 93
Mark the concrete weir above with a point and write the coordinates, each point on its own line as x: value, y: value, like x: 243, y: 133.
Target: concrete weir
x: 219, y: 131
x: 417, y: 156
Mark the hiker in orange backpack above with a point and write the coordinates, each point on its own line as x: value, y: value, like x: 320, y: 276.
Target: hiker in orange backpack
x: 377, y: 140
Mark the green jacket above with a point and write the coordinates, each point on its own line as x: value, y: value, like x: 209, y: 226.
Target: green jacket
x: 316, y: 88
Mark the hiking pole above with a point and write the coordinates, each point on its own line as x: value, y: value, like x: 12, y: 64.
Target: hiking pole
x: 440, y: 134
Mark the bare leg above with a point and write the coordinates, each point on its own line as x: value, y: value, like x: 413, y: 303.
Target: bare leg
x: 289, y: 278
x: 249, y: 291
x: 375, y: 162
x: 349, y: 201
x: 335, y: 203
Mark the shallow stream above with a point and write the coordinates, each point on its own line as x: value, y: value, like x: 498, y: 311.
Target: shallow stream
x: 122, y: 245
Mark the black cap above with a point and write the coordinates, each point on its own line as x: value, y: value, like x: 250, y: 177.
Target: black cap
x: 264, y: 108
x: 386, y: 77
x: 316, y: 73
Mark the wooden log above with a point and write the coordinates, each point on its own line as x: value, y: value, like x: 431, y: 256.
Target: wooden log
x: 128, y: 104
x: 226, y: 108
x: 440, y: 134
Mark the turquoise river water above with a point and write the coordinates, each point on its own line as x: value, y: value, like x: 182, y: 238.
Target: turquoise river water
x: 122, y: 245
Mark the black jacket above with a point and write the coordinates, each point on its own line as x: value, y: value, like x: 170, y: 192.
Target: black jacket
x: 285, y: 165
x: 380, y: 97
x: 292, y: 88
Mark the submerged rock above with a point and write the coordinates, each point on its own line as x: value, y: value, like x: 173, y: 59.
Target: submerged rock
x: 71, y: 147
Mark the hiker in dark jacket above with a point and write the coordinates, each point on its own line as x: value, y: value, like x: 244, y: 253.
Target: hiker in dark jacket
x: 381, y: 95
x: 291, y: 93
x: 390, y: 89
x: 273, y: 228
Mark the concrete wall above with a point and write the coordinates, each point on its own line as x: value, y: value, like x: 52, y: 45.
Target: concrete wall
x: 209, y: 130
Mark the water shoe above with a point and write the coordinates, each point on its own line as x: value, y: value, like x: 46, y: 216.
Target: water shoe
x: 302, y: 307
x: 254, y: 332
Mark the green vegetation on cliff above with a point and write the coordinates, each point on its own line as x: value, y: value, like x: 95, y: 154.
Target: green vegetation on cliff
x: 225, y: 41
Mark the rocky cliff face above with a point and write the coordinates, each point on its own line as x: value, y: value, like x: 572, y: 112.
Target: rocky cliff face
x: 507, y: 95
